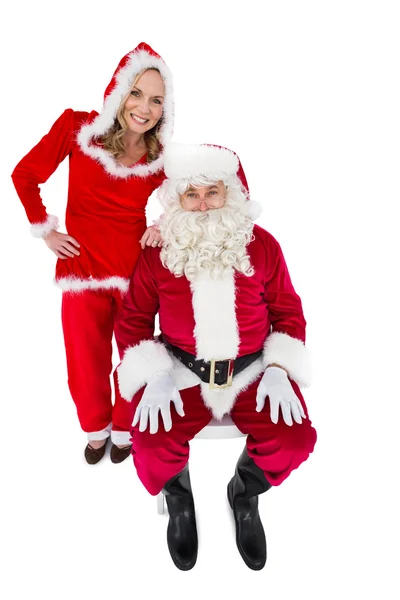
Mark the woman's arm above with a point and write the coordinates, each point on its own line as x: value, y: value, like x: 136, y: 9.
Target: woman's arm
x: 37, y: 166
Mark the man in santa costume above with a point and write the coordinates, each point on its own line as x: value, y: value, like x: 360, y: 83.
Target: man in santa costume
x: 232, y: 341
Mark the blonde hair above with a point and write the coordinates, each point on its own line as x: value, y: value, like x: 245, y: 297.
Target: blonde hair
x: 113, y: 140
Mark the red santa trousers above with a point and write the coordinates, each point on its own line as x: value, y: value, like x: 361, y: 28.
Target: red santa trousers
x: 88, y: 320
x: 276, y: 448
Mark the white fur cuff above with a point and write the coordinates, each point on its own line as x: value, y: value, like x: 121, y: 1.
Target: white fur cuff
x: 40, y: 230
x: 291, y: 354
x: 140, y: 364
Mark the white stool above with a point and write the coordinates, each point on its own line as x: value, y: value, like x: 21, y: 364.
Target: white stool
x: 215, y: 430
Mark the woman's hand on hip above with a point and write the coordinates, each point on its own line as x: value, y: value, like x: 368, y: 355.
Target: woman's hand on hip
x: 151, y: 237
x: 62, y: 244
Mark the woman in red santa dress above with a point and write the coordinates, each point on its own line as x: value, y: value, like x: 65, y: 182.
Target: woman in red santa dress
x: 115, y: 163
x: 233, y: 341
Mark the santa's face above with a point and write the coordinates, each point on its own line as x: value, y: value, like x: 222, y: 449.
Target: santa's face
x: 206, y: 229
x: 204, y: 198
x: 144, y: 107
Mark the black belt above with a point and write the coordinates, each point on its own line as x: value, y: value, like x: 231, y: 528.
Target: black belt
x: 218, y: 373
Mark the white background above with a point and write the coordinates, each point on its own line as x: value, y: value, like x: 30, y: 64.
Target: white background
x: 307, y: 93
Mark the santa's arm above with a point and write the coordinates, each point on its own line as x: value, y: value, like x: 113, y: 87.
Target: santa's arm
x: 37, y: 166
x: 285, y: 344
x: 142, y: 356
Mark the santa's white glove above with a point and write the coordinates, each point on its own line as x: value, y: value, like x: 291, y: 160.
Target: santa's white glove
x: 157, y: 397
x: 276, y: 385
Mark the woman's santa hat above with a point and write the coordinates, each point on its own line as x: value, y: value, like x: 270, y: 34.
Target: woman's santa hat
x: 190, y: 161
x: 131, y: 65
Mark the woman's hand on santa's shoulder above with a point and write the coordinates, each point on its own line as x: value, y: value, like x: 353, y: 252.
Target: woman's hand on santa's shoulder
x: 62, y: 244
x: 276, y: 385
x: 157, y: 397
x: 151, y: 237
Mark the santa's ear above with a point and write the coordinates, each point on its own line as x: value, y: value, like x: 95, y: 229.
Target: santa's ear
x: 254, y: 209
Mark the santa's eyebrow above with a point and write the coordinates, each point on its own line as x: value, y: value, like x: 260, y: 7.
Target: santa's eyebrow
x: 209, y: 187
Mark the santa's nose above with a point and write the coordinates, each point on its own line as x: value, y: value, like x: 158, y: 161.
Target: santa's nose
x: 203, y: 205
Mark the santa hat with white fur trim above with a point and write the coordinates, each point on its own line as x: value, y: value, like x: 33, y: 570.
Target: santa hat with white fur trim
x: 188, y: 161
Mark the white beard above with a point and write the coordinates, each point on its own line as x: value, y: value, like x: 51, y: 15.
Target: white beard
x: 212, y: 242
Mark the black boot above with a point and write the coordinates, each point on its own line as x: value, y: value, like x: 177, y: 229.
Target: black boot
x: 243, y: 489
x: 182, y: 531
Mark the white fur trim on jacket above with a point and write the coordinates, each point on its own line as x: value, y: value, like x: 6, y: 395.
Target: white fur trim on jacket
x: 291, y: 354
x: 184, y: 161
x: 216, y: 330
x: 40, y: 230
x: 140, y: 364
x: 76, y: 284
x: 138, y: 62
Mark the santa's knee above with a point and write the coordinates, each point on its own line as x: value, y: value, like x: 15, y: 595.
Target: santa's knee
x: 157, y: 458
x: 300, y: 438
x: 279, y: 456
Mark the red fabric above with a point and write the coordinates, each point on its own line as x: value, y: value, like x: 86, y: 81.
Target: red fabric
x: 106, y: 215
x: 266, y: 299
x: 277, y: 449
x: 242, y: 177
x: 88, y: 320
x: 37, y: 166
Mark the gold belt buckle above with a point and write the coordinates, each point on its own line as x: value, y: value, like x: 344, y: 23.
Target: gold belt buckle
x: 228, y: 383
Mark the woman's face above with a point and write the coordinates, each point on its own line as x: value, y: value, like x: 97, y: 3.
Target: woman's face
x: 144, y: 107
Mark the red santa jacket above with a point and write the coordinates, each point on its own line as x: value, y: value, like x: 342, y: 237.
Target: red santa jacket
x: 106, y: 200
x: 220, y: 318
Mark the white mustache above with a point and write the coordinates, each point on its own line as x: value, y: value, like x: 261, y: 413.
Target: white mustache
x: 213, y: 241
